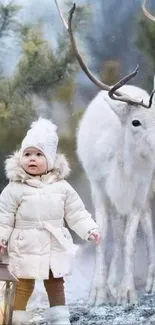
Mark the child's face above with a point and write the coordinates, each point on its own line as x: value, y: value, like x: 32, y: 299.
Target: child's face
x: 34, y: 162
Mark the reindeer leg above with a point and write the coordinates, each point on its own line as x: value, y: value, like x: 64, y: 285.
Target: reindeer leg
x: 127, y: 292
x: 99, y: 290
x: 146, y: 222
x: 114, y: 275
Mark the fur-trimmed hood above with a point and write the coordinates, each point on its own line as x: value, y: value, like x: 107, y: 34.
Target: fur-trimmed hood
x: 15, y: 173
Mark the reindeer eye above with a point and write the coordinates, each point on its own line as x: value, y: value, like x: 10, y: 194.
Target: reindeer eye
x: 136, y: 123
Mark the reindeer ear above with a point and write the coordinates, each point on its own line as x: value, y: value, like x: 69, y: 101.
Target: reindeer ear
x: 121, y: 109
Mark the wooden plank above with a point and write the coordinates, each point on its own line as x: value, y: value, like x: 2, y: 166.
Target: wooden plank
x: 5, y: 274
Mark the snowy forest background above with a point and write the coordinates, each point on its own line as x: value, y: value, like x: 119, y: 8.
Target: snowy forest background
x: 40, y: 76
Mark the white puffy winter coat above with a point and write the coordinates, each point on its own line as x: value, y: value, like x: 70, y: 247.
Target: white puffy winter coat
x: 32, y: 214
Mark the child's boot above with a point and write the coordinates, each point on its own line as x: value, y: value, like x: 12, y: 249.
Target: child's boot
x: 21, y: 317
x: 58, y: 315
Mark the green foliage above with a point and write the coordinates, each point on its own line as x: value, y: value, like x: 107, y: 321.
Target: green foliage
x: 37, y: 68
x: 64, y: 93
x: 49, y: 73
x: 110, y: 72
x: 8, y: 22
x: 67, y: 143
x: 146, y: 43
x: 8, y: 25
x: 16, y: 112
x: 40, y: 69
x: 146, y: 38
x: 81, y: 17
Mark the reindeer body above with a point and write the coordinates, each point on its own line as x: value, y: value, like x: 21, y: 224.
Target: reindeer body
x: 119, y: 160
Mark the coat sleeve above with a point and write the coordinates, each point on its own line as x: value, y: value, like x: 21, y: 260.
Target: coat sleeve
x: 77, y: 217
x: 8, y: 208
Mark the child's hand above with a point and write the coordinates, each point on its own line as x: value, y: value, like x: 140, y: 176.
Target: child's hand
x: 95, y: 236
x: 2, y: 248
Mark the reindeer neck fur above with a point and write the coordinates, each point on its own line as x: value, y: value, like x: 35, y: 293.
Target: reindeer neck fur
x: 130, y: 173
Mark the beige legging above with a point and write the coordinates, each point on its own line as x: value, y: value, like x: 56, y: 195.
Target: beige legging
x: 54, y: 288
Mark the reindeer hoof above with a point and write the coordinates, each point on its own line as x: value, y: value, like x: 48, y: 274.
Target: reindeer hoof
x: 127, y: 295
x: 150, y: 283
x: 99, y: 296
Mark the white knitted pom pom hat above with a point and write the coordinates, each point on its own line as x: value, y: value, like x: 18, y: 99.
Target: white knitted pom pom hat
x: 42, y: 135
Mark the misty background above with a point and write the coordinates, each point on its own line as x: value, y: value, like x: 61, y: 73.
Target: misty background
x: 40, y: 76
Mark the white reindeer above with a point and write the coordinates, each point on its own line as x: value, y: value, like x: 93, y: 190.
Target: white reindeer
x: 116, y: 146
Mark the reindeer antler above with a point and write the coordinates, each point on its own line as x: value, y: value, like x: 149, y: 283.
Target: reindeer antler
x: 112, y: 90
x: 146, y: 13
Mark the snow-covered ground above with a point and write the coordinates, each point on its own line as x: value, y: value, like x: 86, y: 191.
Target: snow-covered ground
x: 143, y: 313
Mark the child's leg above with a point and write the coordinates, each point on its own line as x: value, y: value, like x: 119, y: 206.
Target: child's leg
x: 55, y: 290
x: 23, y: 291
x: 58, y: 314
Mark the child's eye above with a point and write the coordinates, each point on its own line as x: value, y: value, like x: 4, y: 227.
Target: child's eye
x: 39, y: 154
x: 27, y: 154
